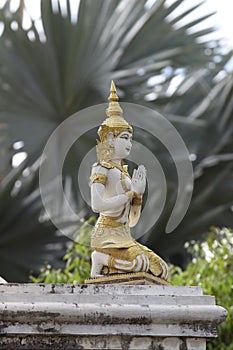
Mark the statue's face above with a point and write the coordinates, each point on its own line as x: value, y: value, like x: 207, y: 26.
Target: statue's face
x: 122, y: 145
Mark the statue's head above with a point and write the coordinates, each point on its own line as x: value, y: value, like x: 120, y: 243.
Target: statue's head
x: 115, y: 132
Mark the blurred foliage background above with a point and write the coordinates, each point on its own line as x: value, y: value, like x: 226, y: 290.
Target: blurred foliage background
x: 63, y: 62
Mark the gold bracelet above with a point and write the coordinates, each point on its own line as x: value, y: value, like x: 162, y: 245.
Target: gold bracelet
x: 130, y: 194
x: 137, y: 201
x: 100, y: 178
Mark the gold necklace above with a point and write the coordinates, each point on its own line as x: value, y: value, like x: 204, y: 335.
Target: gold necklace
x: 121, y: 167
x: 124, y: 172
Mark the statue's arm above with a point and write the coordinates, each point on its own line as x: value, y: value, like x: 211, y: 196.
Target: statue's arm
x: 135, y: 211
x: 138, y: 186
x: 98, y: 179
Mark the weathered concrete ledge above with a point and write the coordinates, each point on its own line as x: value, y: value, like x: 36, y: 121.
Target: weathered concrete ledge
x: 38, y: 316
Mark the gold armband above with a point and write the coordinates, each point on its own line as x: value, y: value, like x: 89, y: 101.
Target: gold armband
x: 99, y: 178
x: 137, y: 201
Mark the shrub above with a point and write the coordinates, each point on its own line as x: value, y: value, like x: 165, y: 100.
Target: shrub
x: 77, y: 259
x: 212, y: 268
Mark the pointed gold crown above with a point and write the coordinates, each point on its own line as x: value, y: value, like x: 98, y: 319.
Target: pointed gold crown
x: 115, y: 122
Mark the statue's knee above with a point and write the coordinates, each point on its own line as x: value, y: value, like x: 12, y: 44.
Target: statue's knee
x: 93, y: 255
x: 98, y: 257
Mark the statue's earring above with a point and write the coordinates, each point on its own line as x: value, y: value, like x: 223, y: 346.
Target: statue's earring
x: 110, y: 138
x: 104, y: 151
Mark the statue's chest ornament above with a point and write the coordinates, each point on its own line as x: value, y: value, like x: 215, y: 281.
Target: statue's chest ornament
x: 125, y: 180
x: 124, y: 176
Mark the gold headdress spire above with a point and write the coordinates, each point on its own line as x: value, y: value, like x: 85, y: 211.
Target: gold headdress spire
x: 114, y: 107
x: 115, y: 122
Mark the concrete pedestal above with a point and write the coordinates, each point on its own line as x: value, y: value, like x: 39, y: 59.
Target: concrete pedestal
x: 106, y: 317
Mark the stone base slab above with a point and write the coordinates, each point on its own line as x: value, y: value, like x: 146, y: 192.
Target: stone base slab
x: 98, y: 316
x: 32, y: 342
x: 137, y: 278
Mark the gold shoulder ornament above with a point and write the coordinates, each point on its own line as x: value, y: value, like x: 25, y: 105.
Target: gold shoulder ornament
x: 99, y: 178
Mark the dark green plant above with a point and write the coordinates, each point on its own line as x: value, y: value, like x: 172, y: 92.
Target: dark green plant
x: 208, y: 135
x: 20, y: 212
x: 77, y: 261
x: 211, y: 267
x: 3, y: 150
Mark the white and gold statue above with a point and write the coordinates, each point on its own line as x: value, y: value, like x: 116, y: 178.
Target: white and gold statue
x: 118, y: 199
